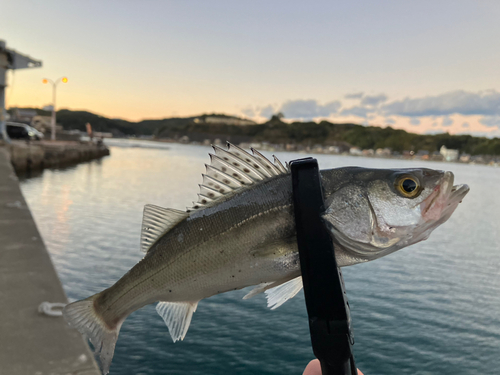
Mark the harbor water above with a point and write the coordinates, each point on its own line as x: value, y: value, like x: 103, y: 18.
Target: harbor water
x: 432, y: 308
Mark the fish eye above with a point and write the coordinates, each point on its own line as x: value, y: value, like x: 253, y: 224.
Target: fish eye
x: 408, y: 186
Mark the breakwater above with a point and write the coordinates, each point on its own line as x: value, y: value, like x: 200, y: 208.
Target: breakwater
x: 26, y: 156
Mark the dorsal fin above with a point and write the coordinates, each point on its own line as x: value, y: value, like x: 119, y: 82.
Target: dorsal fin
x: 157, y: 221
x: 231, y: 170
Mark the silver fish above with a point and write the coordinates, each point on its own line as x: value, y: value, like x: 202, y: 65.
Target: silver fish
x: 241, y: 232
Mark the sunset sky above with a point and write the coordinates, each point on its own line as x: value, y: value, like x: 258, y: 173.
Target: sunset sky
x: 425, y: 66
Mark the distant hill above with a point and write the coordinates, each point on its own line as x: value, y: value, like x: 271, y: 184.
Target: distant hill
x: 197, y: 128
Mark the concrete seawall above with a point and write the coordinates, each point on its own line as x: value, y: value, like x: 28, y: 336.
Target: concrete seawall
x: 31, y: 343
x: 38, y: 155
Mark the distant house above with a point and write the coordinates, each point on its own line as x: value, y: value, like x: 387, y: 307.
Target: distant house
x: 23, y: 115
x: 465, y: 158
x: 422, y: 155
x: 355, y: 151
x: 436, y: 156
x: 333, y: 149
x: 103, y: 135
x: 383, y: 152
x: 42, y: 123
x: 448, y: 153
x: 226, y: 120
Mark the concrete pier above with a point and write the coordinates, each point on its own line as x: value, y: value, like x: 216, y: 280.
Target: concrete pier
x: 31, y: 343
x: 44, y: 154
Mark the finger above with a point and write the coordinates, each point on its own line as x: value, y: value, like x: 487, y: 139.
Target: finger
x: 313, y: 368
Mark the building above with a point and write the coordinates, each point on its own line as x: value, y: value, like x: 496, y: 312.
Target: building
x: 226, y: 120
x: 23, y: 115
x: 42, y: 123
x: 10, y: 59
x: 383, y: 152
x: 356, y: 151
x: 448, y: 153
x: 465, y: 158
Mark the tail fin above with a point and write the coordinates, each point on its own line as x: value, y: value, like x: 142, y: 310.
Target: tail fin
x: 83, y: 316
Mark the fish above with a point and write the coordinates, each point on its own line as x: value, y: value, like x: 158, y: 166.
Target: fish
x: 241, y: 233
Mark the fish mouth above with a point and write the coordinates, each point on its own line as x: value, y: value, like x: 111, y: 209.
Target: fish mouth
x: 444, y: 199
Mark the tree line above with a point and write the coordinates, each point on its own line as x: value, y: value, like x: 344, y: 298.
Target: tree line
x: 279, y: 132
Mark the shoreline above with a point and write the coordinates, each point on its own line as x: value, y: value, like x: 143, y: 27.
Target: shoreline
x: 313, y: 151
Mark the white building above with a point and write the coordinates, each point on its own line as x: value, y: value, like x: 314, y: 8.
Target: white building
x: 226, y: 120
x: 448, y: 153
x: 356, y: 151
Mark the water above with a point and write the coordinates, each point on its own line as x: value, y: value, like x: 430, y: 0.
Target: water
x: 433, y: 308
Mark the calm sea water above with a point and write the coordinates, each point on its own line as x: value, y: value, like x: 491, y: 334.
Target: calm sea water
x: 433, y: 308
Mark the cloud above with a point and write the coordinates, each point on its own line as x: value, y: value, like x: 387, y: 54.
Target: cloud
x: 266, y: 111
x: 356, y: 95
x: 465, y: 125
x: 490, y: 121
x: 390, y: 121
x: 415, y: 122
x: 491, y: 134
x: 373, y: 100
x: 309, y: 109
x: 434, y: 124
x: 249, y: 112
x: 355, y: 111
x: 465, y: 103
x: 447, y: 121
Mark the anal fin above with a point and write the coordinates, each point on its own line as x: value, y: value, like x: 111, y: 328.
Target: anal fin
x: 177, y: 317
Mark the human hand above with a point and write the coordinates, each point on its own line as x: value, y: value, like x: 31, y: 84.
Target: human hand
x: 314, y: 368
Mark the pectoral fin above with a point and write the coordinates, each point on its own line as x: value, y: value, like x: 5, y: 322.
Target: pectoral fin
x: 279, y: 295
x: 277, y: 292
x: 259, y: 289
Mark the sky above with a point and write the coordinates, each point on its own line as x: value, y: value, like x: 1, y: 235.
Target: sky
x: 423, y: 66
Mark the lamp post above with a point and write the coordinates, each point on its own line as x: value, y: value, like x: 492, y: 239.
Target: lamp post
x: 53, y: 120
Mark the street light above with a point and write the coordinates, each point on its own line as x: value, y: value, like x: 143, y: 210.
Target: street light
x: 54, y: 85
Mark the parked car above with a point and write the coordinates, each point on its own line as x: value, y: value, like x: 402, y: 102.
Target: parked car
x: 17, y: 130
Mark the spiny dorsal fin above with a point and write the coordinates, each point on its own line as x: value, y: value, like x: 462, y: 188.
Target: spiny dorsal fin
x: 177, y: 317
x: 233, y: 169
x: 157, y: 221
